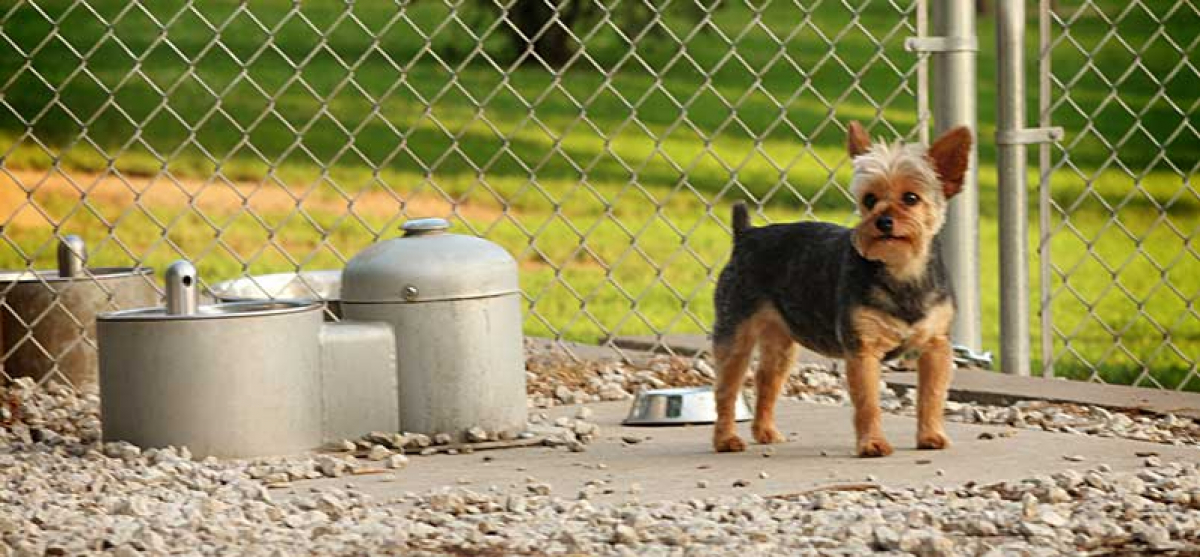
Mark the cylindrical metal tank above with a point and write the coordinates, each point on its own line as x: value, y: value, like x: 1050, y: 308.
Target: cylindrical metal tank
x: 229, y: 380
x: 454, y: 304
x: 48, y: 317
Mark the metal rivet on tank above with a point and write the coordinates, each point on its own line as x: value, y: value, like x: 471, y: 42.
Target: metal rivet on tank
x: 183, y: 298
x: 72, y: 257
x: 411, y: 293
x: 425, y: 227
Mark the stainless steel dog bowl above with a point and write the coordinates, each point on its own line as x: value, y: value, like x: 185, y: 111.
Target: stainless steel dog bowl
x: 681, y: 405
x: 322, y: 286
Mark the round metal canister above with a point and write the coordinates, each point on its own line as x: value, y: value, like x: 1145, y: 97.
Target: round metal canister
x: 324, y: 286
x: 454, y: 304
x: 48, y: 317
x: 229, y: 380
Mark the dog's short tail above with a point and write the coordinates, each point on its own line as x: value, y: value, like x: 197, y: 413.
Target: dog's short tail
x: 741, y: 218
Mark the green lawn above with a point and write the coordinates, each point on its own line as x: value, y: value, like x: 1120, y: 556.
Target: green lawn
x: 602, y: 186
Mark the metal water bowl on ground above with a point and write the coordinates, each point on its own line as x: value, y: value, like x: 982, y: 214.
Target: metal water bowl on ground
x: 48, y: 317
x: 241, y: 379
x: 680, y: 406
x: 323, y: 286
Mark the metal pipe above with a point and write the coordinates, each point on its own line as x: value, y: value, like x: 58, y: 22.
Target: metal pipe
x: 954, y: 105
x: 923, y: 112
x: 183, y: 296
x: 72, y: 257
x: 1046, y: 279
x: 1010, y: 170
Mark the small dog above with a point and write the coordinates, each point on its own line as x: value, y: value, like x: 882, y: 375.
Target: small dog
x: 864, y: 294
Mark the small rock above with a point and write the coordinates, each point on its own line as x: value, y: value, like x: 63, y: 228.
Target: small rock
x: 1052, y: 518
x: 476, y: 435
x: 341, y: 446
x: 332, y: 467
x: 378, y: 452
x: 539, y: 488
x: 583, y: 413
x: 702, y: 484
x: 741, y: 483
x: 1075, y: 458
x: 1057, y: 495
x: 886, y: 539
x: 624, y: 534
x: 397, y: 461
x: 631, y: 439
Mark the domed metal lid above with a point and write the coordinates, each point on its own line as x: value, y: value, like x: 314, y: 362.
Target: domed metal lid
x: 427, y: 264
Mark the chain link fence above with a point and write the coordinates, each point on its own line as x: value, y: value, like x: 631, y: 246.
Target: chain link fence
x: 1120, y: 211
x: 599, y: 142
x: 601, y: 150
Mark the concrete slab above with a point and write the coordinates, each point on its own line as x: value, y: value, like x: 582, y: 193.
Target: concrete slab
x: 669, y: 462
x: 998, y: 388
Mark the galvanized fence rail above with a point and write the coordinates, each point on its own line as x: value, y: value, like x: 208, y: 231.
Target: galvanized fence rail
x: 599, y: 142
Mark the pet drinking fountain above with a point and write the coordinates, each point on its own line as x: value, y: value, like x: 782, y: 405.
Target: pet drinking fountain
x: 241, y: 379
x: 48, y: 317
x: 453, y: 302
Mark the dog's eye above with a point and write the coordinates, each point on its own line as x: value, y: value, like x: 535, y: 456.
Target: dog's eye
x: 869, y: 200
x: 911, y: 198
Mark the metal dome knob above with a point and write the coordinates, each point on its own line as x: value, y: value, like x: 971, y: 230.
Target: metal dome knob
x: 425, y: 227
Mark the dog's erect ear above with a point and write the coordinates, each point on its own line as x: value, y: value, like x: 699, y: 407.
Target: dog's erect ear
x: 951, y: 154
x: 857, y: 141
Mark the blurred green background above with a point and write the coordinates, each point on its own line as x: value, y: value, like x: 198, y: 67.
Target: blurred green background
x: 273, y: 136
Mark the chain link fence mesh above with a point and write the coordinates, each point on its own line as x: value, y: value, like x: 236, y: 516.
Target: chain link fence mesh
x: 1119, y: 203
x: 254, y: 138
x: 599, y: 142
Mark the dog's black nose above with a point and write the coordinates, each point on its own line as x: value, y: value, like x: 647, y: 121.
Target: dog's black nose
x: 884, y: 224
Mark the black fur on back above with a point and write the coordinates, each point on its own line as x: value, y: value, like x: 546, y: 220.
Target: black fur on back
x: 811, y: 273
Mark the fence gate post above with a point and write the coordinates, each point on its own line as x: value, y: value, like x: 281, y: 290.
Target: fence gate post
x: 1010, y: 184
x: 953, y: 47
x: 1011, y: 138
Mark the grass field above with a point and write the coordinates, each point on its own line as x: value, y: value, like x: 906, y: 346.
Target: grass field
x: 610, y: 181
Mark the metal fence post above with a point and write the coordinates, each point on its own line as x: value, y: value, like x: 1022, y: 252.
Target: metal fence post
x: 1010, y: 183
x: 954, y: 105
x: 1044, y: 265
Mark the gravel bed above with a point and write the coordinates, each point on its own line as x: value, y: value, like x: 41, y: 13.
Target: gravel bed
x: 64, y: 493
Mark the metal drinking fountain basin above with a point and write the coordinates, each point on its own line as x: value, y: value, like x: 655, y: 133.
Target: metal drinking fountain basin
x: 47, y: 318
x: 241, y: 379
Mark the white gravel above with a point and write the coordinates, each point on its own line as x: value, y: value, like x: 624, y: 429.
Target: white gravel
x: 63, y: 493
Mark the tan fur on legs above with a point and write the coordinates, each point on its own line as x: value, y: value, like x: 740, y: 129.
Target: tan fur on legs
x: 733, y: 359
x: 776, y: 352
x: 934, y: 371
x: 862, y: 378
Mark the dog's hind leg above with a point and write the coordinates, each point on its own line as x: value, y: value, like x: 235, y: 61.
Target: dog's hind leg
x: 776, y: 351
x: 733, y: 358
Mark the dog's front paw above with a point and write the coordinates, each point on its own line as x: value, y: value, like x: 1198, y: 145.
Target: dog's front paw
x: 874, y: 447
x: 730, y: 444
x: 933, y: 441
x: 767, y: 435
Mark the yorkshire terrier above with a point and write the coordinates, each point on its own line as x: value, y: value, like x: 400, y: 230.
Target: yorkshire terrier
x: 864, y: 294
